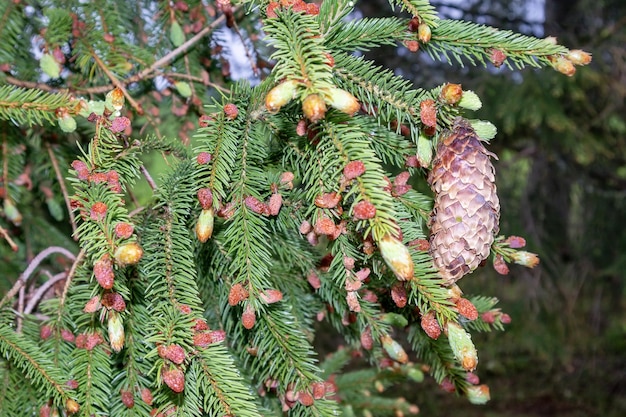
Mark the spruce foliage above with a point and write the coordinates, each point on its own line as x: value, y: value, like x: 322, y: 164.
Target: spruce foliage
x: 283, y: 209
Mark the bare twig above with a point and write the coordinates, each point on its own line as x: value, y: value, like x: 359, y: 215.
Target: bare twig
x: 117, y: 83
x: 41, y: 291
x: 6, y: 237
x: 31, y: 268
x: 146, y: 174
x: 20, y: 309
x: 70, y: 276
x: 66, y: 197
x: 172, y: 55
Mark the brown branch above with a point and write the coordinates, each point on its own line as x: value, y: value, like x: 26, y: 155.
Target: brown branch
x: 70, y: 276
x: 172, y: 55
x: 146, y: 174
x: 117, y: 83
x: 42, y: 290
x: 21, y: 281
x: 6, y: 237
x: 66, y: 197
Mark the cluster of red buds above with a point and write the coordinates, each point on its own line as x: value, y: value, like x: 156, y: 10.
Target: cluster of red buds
x: 297, y: 6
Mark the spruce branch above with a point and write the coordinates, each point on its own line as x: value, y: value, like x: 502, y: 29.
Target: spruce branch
x: 222, y: 385
x: 459, y: 40
x: 31, y: 106
x: 9, y: 240
x: 33, y: 362
x: 366, y: 33
x: 300, y: 53
x: 421, y: 9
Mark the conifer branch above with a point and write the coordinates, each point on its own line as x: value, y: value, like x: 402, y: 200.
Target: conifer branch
x: 32, y: 361
x: 117, y: 83
x: 226, y: 391
x: 419, y: 8
x: 476, y: 43
x: 31, y: 106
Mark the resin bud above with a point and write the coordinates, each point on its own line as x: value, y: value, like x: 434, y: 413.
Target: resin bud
x: 424, y: 33
x: 175, y: 379
x: 430, y: 325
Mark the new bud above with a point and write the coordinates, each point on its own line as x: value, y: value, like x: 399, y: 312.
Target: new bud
x: 470, y: 100
x: 314, y: 107
x: 527, y: 259
x: 343, y: 101
x: 204, y: 226
x: 393, y: 349
x: 477, y: 394
x: 424, y: 150
x: 424, y: 33
x: 280, y: 95
x: 397, y: 257
x: 462, y: 346
x: 128, y: 254
x: 484, y: 129
x: 116, y: 331
x: 578, y: 57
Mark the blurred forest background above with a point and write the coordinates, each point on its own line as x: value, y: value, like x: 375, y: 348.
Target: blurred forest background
x: 562, y: 184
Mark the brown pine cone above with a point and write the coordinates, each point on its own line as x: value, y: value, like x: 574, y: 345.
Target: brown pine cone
x: 467, y: 210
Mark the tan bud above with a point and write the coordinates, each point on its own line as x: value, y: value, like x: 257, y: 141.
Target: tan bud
x: 451, y: 93
x: 397, y: 257
x: 424, y: 33
x: 116, y: 331
x: 204, y: 226
x: 314, y: 107
x: 578, y: 57
x: 343, y: 101
x: 462, y: 346
x: 128, y: 254
x: 71, y: 406
x: 280, y: 95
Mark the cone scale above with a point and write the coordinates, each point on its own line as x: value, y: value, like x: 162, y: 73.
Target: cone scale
x: 467, y: 210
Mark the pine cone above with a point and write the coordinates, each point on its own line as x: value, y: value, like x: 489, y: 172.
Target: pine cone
x: 467, y: 210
